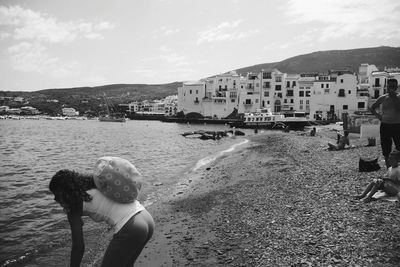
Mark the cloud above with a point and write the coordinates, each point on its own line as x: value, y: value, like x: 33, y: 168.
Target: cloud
x: 33, y: 57
x: 225, y: 31
x: 343, y: 18
x: 169, y: 57
x: 26, y: 24
x: 33, y: 34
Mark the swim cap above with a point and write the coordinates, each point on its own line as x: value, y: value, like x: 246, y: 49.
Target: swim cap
x: 117, y: 179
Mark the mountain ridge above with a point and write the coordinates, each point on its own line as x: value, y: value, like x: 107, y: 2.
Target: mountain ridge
x: 322, y: 61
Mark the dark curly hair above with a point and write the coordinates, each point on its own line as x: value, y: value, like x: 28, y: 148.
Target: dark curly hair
x: 72, y: 186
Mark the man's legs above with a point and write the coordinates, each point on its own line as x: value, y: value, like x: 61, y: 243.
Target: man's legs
x: 386, y: 141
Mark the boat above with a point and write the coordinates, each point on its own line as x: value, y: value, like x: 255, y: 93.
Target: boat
x: 111, y: 116
x: 265, y: 119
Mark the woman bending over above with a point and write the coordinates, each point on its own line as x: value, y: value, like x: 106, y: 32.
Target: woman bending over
x: 133, y: 225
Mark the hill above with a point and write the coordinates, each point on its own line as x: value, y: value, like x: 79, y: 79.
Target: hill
x: 322, y: 61
x: 115, y: 91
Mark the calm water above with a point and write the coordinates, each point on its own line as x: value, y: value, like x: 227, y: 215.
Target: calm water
x: 31, y: 151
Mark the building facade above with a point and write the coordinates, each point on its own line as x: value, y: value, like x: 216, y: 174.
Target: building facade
x: 323, y: 96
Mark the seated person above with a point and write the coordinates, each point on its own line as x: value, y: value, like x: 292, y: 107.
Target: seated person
x: 343, y: 140
x: 390, y: 185
x: 313, y: 131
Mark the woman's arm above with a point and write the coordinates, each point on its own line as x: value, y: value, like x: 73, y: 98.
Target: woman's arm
x: 78, y: 244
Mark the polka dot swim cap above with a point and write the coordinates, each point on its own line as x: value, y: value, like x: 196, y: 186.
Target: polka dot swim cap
x: 117, y: 179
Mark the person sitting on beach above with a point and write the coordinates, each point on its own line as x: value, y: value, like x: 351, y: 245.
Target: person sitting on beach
x: 390, y: 185
x: 313, y: 131
x: 78, y: 195
x: 343, y: 140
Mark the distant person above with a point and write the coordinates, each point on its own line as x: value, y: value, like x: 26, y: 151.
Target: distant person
x: 390, y: 119
x: 78, y: 195
x: 342, y: 142
x: 390, y: 185
x: 313, y: 131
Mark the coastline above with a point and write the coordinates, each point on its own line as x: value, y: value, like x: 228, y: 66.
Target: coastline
x: 284, y: 200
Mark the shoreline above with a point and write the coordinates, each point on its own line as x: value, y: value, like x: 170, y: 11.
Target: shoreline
x: 283, y: 200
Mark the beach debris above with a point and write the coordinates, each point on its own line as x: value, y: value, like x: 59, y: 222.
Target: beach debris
x: 213, y: 135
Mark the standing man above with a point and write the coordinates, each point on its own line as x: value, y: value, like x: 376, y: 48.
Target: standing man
x: 390, y: 118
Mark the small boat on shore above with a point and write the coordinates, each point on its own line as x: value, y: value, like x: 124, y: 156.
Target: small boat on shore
x: 268, y: 120
x: 111, y: 116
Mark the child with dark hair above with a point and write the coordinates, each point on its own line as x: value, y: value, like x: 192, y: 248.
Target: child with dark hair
x: 79, y: 196
x: 390, y: 185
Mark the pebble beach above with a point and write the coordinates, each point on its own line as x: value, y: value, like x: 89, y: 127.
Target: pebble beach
x: 283, y: 200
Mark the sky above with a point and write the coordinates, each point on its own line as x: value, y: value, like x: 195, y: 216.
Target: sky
x: 48, y: 44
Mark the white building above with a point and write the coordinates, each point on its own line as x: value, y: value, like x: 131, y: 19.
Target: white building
x: 70, y: 112
x: 29, y: 110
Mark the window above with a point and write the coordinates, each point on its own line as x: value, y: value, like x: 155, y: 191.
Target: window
x: 341, y: 93
x: 326, y: 91
x: 294, y: 83
x: 280, y: 95
x: 361, y: 105
x: 257, y: 85
x: 288, y: 84
x: 345, y: 107
x: 278, y: 79
x: 248, y: 101
x: 322, y: 85
x: 266, y: 94
x: 226, y: 87
x: 266, y: 75
x: 349, y: 92
x: 377, y: 83
x: 278, y: 87
x: 301, y: 93
x: 266, y: 85
x: 285, y: 100
x: 233, y: 100
x: 308, y: 93
x: 197, y: 92
x: 341, y: 80
x: 327, y: 85
x: 190, y: 92
x: 289, y: 93
x: 291, y: 101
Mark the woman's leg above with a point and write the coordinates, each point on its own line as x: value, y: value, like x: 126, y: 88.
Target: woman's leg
x: 127, y: 244
x: 366, y: 191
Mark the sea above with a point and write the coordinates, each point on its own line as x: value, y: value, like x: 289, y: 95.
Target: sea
x: 32, y: 225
